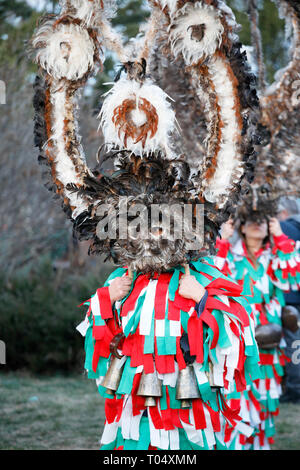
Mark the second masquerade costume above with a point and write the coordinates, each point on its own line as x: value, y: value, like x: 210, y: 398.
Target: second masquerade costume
x: 277, y: 270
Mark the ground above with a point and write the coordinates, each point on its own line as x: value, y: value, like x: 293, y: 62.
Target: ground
x: 68, y: 413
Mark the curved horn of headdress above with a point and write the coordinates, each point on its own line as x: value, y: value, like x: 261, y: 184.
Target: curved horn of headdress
x: 137, y: 117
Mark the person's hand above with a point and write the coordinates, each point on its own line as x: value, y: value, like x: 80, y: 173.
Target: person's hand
x: 190, y: 288
x: 274, y: 227
x: 119, y: 288
x: 227, y: 230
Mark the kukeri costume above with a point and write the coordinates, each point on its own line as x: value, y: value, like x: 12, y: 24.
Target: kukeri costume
x: 161, y: 361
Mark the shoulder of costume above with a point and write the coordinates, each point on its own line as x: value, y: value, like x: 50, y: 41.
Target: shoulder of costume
x: 207, y: 266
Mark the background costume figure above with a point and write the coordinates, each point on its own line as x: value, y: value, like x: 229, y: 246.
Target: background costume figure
x: 166, y: 337
x: 266, y: 263
x: 290, y: 223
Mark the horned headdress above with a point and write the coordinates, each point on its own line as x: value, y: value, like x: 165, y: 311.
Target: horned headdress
x: 193, y: 147
x: 277, y: 171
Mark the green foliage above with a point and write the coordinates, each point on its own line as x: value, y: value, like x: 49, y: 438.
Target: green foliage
x: 273, y: 40
x: 14, y: 8
x: 38, y: 317
x: 15, y: 32
x: 272, y: 31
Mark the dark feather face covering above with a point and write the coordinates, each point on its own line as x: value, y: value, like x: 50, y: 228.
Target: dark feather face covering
x: 173, y: 184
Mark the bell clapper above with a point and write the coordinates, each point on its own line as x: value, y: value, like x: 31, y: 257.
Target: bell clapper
x: 186, y: 403
x: 150, y: 401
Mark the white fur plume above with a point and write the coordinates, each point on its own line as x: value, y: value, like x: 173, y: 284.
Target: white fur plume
x: 126, y: 89
x: 64, y: 165
x: 184, y: 41
x: 64, y: 51
x: 229, y: 161
x: 89, y: 11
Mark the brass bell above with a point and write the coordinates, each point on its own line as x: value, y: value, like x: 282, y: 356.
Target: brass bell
x: 113, y: 376
x: 268, y: 336
x: 150, y: 387
x: 210, y: 377
x: 187, y: 387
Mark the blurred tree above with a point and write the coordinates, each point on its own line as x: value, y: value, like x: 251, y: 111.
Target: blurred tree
x: 272, y: 29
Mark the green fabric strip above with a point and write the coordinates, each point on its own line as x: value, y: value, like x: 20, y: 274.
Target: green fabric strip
x: 126, y: 382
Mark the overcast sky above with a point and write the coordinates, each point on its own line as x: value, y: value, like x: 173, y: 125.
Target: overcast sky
x: 38, y: 4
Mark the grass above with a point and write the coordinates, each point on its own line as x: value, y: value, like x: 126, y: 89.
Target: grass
x: 66, y: 412
x: 49, y: 413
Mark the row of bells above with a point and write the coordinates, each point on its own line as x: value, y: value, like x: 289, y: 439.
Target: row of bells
x: 150, y: 385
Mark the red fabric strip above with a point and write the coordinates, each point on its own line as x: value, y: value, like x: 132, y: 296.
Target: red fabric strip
x: 182, y: 303
x: 156, y: 417
x: 210, y: 320
x: 160, y: 296
x: 140, y: 283
x: 173, y: 311
x: 195, y: 336
x: 266, y: 359
x: 148, y: 363
x: 225, y: 287
x: 240, y: 381
x: 199, y: 416
x: 242, y: 357
x: 254, y: 401
x: 101, y: 349
x: 228, y: 432
x: 111, y: 408
x: 215, y: 419
x: 167, y: 414
x: 184, y: 415
x: 179, y: 355
x: 165, y: 364
x: 222, y: 247
x: 138, y: 402
x: 105, y: 303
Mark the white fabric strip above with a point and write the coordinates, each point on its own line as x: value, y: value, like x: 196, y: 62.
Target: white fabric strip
x: 244, y: 428
x: 208, y: 431
x: 109, y: 433
x: 218, y: 368
x: 154, y: 433
x: 171, y: 378
x: 148, y: 309
x: 219, y: 262
x: 224, y: 299
x: 95, y: 305
x: 83, y: 326
x: 160, y: 328
x: 200, y: 375
x: 175, y: 328
x: 164, y: 439
x: 174, y: 439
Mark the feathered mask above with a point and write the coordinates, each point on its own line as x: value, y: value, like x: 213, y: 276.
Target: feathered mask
x: 143, y: 137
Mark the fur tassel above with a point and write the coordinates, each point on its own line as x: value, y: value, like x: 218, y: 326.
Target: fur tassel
x: 137, y: 117
x: 65, y: 51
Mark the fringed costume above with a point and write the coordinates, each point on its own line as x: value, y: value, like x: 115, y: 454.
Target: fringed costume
x: 277, y: 270
x: 163, y: 334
